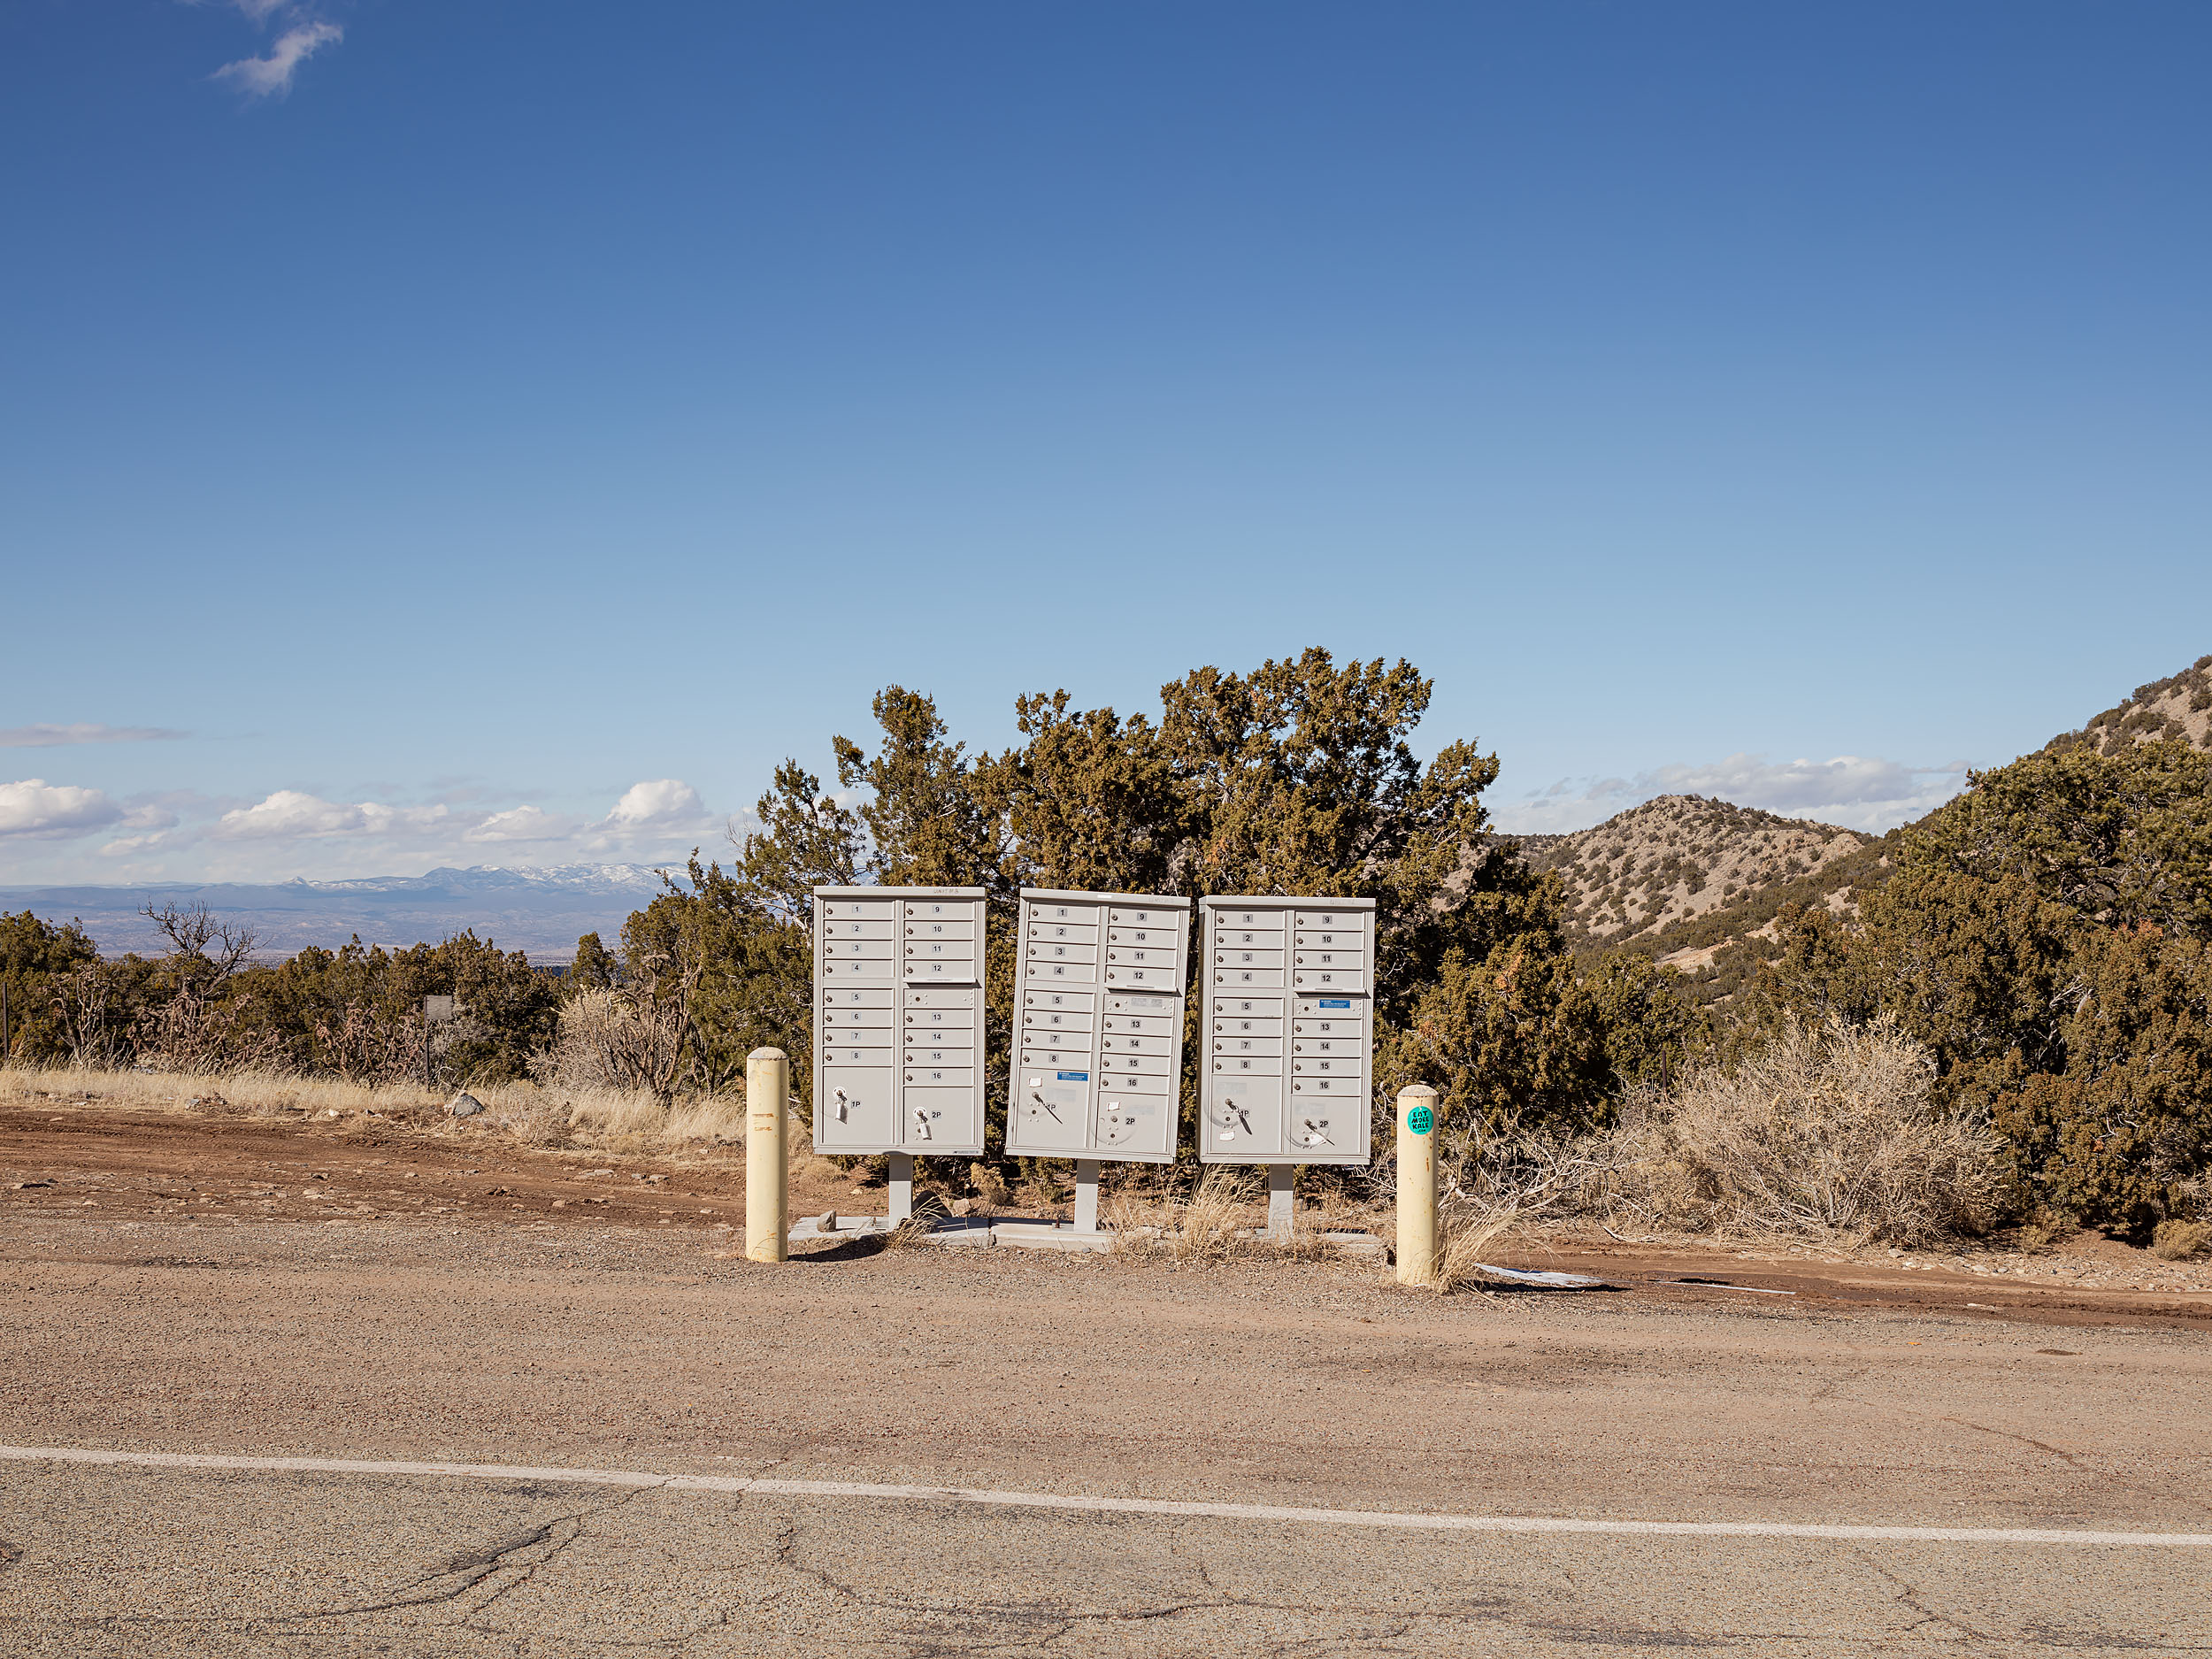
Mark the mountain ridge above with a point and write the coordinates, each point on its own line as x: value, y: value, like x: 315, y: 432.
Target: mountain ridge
x: 541, y: 910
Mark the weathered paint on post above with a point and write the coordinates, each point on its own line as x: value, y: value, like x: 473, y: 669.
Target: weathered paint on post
x: 767, y: 1161
x: 1416, y: 1184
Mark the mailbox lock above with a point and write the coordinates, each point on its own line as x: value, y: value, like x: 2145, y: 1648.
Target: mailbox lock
x: 841, y: 1104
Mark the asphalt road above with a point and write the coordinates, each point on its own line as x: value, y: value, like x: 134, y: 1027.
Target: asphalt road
x: 1301, y: 1384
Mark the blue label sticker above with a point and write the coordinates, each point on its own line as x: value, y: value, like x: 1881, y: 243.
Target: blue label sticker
x: 1336, y: 1002
x: 1420, y: 1120
x: 1075, y: 1077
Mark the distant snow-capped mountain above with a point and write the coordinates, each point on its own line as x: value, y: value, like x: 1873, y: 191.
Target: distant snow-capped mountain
x: 542, y: 912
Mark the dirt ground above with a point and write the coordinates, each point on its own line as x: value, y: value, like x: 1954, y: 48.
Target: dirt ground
x: 176, y: 1283
x: 224, y: 1172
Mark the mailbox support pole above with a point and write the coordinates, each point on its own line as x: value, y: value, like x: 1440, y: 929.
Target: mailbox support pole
x: 1087, y: 1195
x: 1281, y: 1205
x: 767, y: 1155
x: 901, y: 1186
x: 1417, y: 1185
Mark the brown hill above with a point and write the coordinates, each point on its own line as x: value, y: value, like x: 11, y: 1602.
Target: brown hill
x: 1681, y: 878
x: 1681, y: 858
x: 2179, y: 705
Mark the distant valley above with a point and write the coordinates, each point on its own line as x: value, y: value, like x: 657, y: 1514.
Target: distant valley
x: 538, y: 911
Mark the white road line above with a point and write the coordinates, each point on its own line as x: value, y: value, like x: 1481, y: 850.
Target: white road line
x: 1119, y: 1505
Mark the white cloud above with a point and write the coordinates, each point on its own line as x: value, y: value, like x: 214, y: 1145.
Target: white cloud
x: 291, y: 813
x: 522, y: 824
x: 664, y: 801
x: 34, y: 807
x: 83, y: 732
x: 262, y: 77
x: 186, y: 835
x: 1858, y: 792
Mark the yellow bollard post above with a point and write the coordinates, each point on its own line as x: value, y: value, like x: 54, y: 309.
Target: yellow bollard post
x: 767, y: 1166
x: 1416, y: 1184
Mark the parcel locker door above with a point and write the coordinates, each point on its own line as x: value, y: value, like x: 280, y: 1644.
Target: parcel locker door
x: 853, y: 1107
x: 1050, y: 1110
x: 1243, y: 1117
x: 1131, y: 1124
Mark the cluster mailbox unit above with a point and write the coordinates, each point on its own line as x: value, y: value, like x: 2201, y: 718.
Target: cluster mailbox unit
x: 1289, y: 1023
x: 1097, y: 1066
x: 898, y: 1025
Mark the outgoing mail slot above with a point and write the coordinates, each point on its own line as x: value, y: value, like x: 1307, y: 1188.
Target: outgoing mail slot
x: 1169, y: 1006
x: 939, y: 999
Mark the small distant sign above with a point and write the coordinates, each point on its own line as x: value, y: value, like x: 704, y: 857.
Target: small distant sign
x: 437, y: 1009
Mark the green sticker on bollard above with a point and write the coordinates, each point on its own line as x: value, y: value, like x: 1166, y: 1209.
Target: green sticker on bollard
x: 1420, y: 1120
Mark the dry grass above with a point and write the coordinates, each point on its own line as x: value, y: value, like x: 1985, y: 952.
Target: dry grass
x: 1211, y: 1223
x: 2182, y: 1241
x: 1830, y: 1135
x: 928, y: 1214
x: 604, y: 1118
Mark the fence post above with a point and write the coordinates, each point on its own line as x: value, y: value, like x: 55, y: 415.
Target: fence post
x: 1416, y: 1184
x: 767, y: 1161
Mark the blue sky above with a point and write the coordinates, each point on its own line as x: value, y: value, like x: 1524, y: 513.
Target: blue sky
x: 499, y: 432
